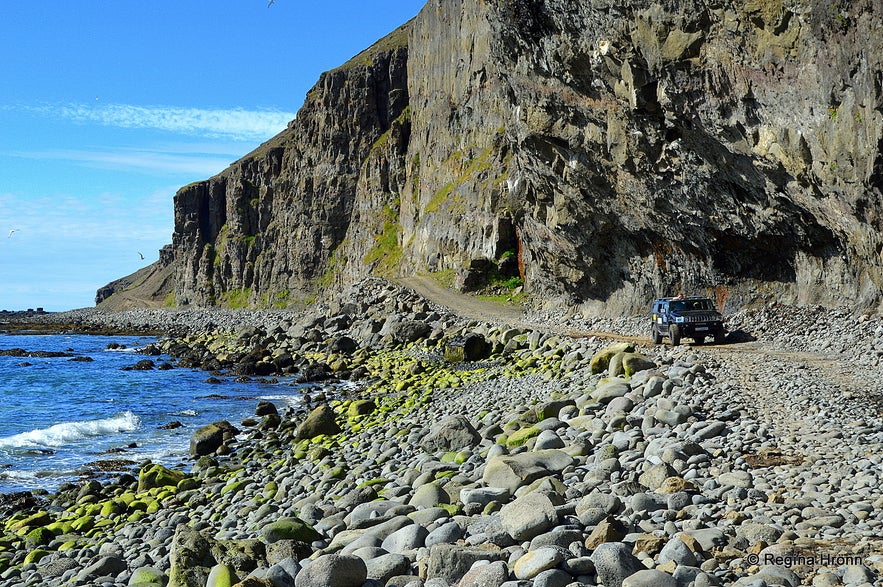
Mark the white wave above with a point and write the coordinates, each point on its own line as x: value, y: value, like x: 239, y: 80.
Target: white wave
x: 187, y: 413
x: 70, y: 432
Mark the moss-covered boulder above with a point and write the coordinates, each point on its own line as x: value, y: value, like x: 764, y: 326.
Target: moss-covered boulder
x: 361, y: 407
x: 148, y: 577
x: 153, y: 476
x: 40, y: 536
x: 209, y: 438
x: 601, y: 360
x: 635, y: 362
x: 521, y: 437
x: 289, y: 529
x: 320, y: 421
x: 37, y: 519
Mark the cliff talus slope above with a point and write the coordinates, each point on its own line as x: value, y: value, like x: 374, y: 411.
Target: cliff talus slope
x: 618, y: 150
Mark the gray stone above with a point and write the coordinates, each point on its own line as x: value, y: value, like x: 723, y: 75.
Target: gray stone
x: 675, y: 550
x: 449, y: 434
x: 451, y: 562
x: 741, y: 479
x: 103, y: 567
x: 408, y: 538
x: 552, y: 578
x: 282, y: 574
x: 489, y: 575
x: 528, y: 516
x: 536, y: 561
x: 446, y: 533
x: 333, y: 570
x: 429, y: 495
x: 387, y: 566
x: 513, y: 471
x: 483, y: 495
x: 320, y: 421
x: 753, y: 532
x: 649, y: 578
x: 614, y: 562
x: 548, y: 439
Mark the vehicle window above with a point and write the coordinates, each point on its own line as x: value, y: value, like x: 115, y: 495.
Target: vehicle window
x: 678, y: 306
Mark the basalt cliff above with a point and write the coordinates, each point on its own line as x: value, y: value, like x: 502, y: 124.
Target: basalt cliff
x: 602, y: 152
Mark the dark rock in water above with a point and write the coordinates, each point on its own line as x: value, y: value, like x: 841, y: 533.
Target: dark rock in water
x: 209, y: 438
x: 320, y: 421
x: 83, y: 359
x: 165, y: 366
x: 472, y: 347
x: 145, y: 365
x: 265, y: 408
x: 213, y: 381
x: 171, y: 425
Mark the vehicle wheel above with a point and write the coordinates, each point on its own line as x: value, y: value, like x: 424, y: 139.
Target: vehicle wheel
x: 720, y: 337
x: 674, y: 333
x: 655, y: 336
x: 699, y: 340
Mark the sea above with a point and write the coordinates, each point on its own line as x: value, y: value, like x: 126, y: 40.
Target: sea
x: 64, y: 420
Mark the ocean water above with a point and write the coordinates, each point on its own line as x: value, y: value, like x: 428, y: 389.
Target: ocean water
x: 58, y: 416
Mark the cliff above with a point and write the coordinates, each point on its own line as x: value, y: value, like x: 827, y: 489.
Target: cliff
x: 616, y: 150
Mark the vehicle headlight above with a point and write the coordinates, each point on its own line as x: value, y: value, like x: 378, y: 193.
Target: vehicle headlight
x: 679, y: 319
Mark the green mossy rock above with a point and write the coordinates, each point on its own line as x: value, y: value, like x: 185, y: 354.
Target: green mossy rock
x: 148, y: 577
x: 601, y: 360
x: 521, y: 437
x: 35, y: 555
x: 37, y: 519
x: 634, y: 362
x: 39, y: 536
x: 221, y: 576
x: 320, y: 421
x: 209, y: 438
x: 154, y: 476
x: 290, y: 529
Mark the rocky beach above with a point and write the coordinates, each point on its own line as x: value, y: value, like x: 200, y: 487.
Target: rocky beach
x: 487, y: 452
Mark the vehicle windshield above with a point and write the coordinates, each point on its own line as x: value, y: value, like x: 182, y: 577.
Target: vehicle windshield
x: 691, y: 305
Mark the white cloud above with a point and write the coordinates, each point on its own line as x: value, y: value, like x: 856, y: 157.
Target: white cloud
x: 237, y: 123
x: 140, y: 160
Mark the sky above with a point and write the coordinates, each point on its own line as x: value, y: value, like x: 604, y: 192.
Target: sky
x: 107, y: 108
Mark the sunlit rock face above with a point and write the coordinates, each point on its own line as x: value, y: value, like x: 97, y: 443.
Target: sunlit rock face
x: 616, y: 150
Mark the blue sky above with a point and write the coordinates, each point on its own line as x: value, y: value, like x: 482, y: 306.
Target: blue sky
x: 107, y: 108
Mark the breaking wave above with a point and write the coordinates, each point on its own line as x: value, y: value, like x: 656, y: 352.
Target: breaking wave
x: 71, y: 432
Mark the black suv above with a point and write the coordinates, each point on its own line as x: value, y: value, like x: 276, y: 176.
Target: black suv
x: 692, y: 317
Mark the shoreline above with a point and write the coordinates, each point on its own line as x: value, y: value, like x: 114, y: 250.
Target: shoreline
x: 548, y: 458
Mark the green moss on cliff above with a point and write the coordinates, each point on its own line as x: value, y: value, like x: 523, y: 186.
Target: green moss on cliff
x: 236, y: 298
x: 386, y: 254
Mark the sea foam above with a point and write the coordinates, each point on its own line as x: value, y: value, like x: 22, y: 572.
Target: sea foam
x: 70, y: 432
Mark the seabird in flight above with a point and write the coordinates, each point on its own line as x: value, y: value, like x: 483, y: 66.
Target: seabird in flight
x: 142, y: 256
x: 10, y: 233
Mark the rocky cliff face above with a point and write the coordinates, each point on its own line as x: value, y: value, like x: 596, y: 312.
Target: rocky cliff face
x: 618, y: 150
